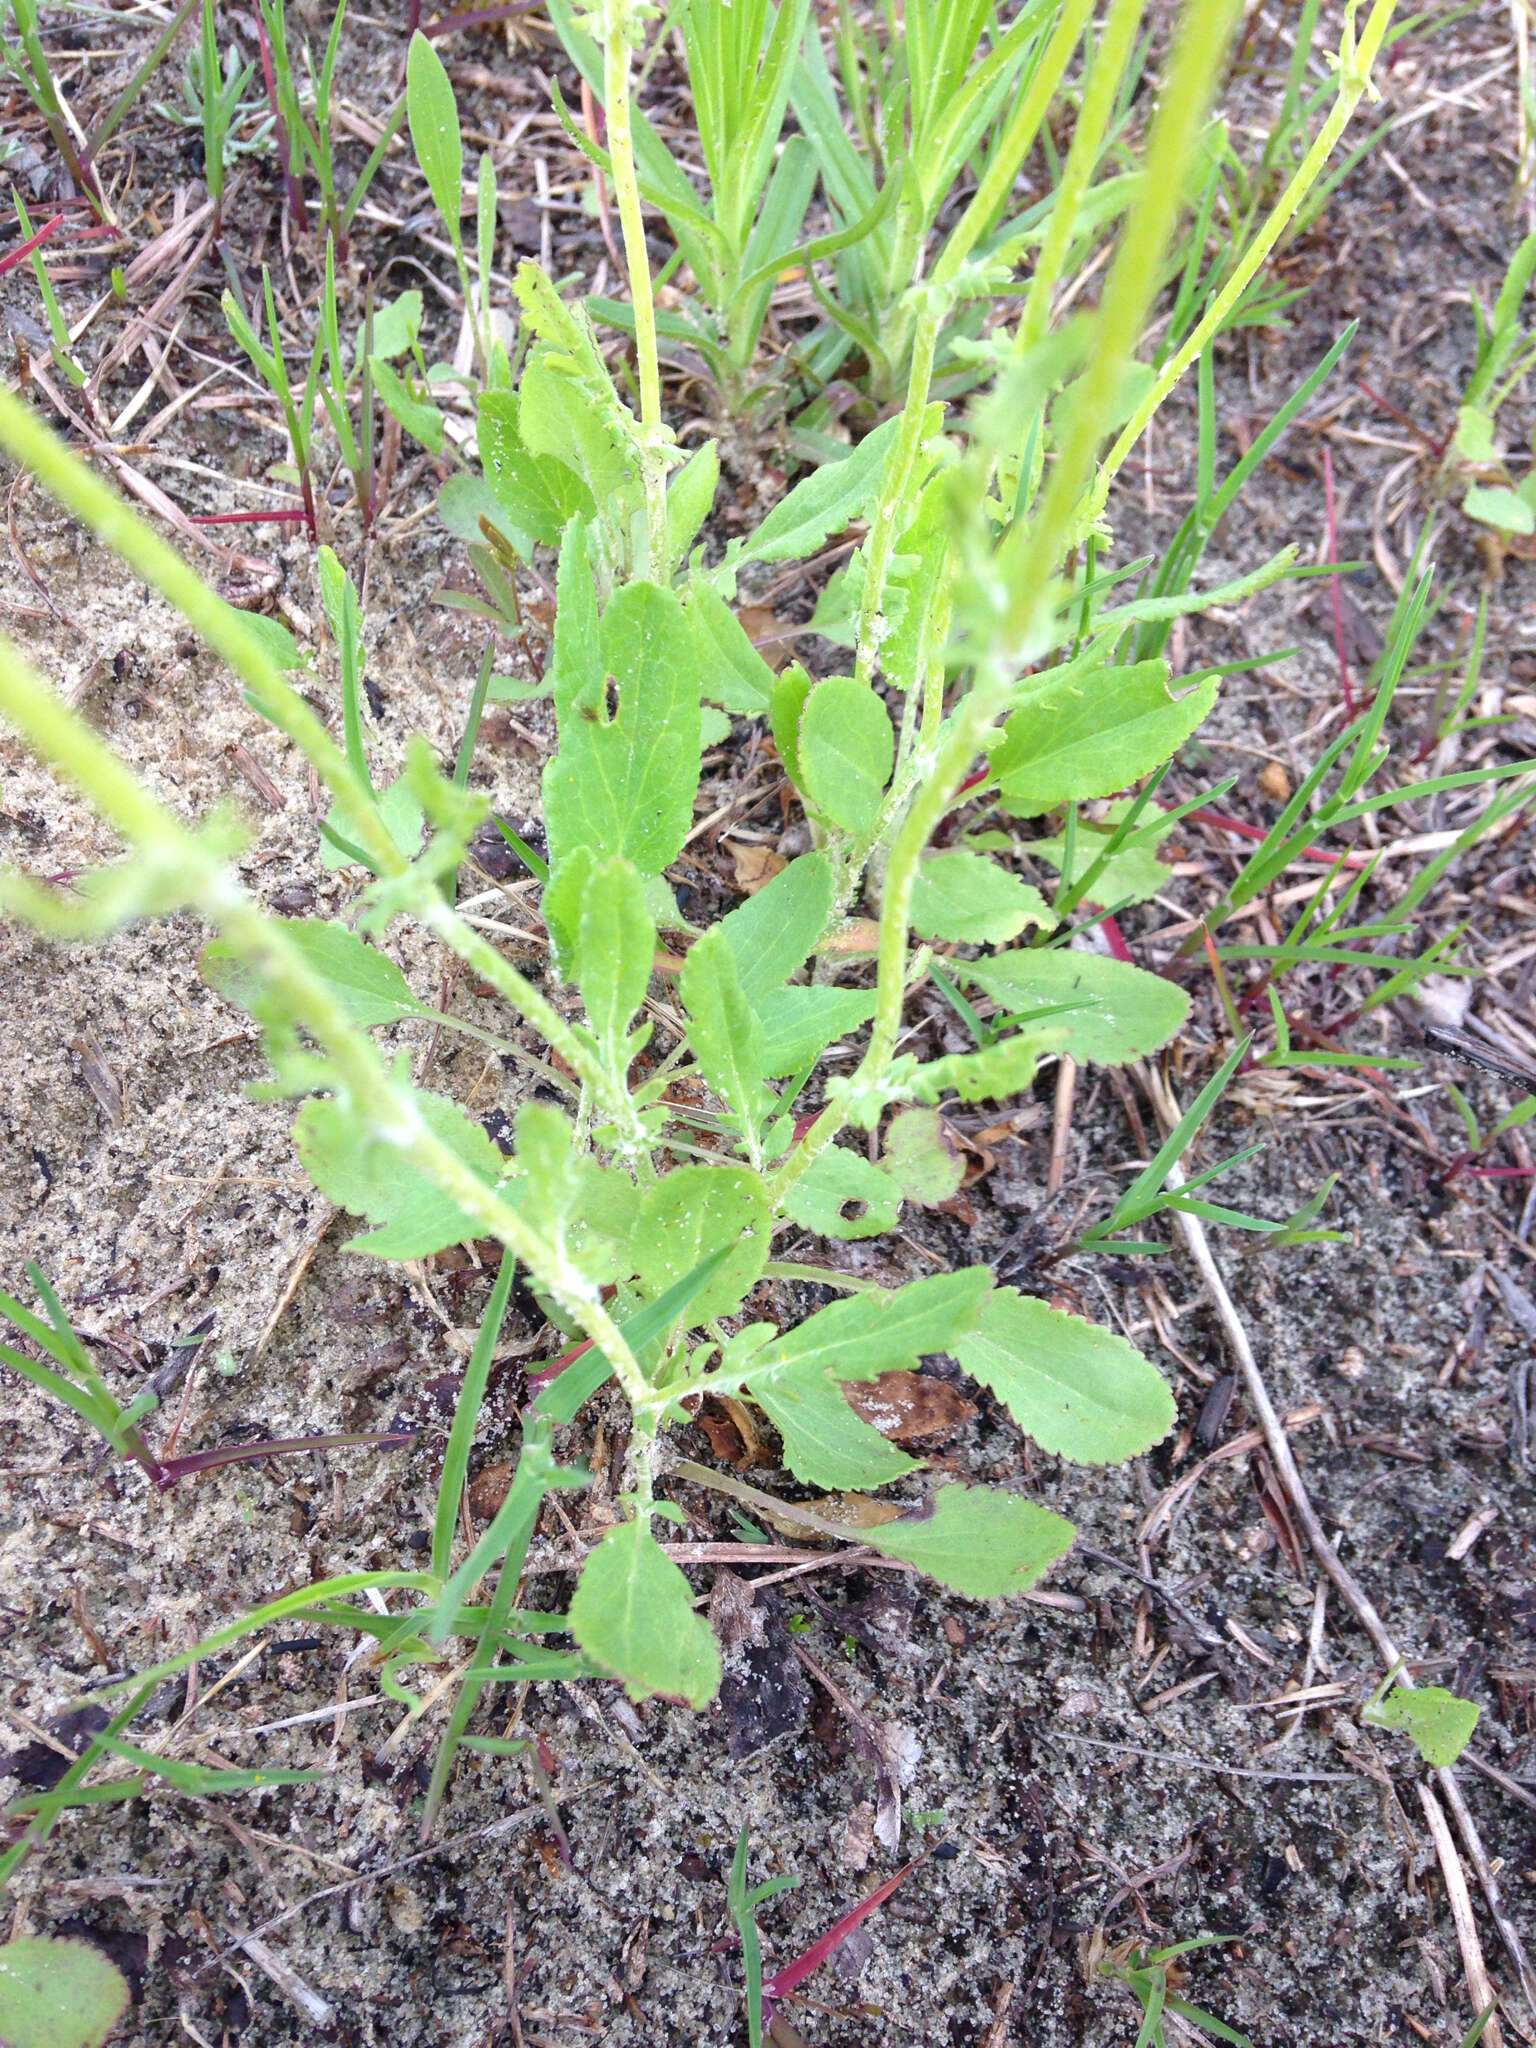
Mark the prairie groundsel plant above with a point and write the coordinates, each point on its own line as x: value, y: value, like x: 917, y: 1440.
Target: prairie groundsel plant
x: 994, y: 679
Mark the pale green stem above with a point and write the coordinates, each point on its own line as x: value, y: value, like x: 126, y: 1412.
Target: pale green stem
x: 1110, y: 60
x: 895, y: 505
x: 1354, y: 83
x: 1033, y: 555
x: 987, y: 700
x: 626, y: 188
x: 68, y: 744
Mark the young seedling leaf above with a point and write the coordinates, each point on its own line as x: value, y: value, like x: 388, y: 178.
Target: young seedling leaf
x: 538, y: 494
x: 616, y: 950
x: 981, y: 1543
x: 632, y: 1613
x: 800, y: 1023
x: 920, y: 1157
x: 726, y: 1034
x: 434, y: 117
x: 622, y: 782
x: 1093, y: 732
x: 365, y: 982
x: 844, y: 1195
x: 970, y: 899
x: 690, y: 498
x: 692, y: 1212
x: 58, y: 1994
x: 1436, y: 1722
x: 847, y: 748
x: 1078, y: 1390
x: 785, y: 706
x: 1127, y: 1012
x: 774, y: 932
x: 735, y: 674
x: 990, y: 1075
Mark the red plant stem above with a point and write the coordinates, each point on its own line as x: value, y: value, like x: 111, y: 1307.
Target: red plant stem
x: 557, y: 1366
x: 274, y: 1447
x: 784, y: 1981
x: 1244, y: 831
x: 18, y: 255
x: 1115, y: 939
x: 1336, y: 589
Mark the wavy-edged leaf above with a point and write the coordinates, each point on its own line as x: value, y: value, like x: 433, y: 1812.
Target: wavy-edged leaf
x: 622, y: 782
x: 825, y: 1443
x: 735, y: 673
x: 692, y: 1212
x: 726, y: 1034
x: 800, y: 1023
x: 970, y: 899
x: 58, y: 1994
x: 821, y: 504
x: 360, y: 1172
x: 1080, y: 1391
x: 921, y: 1158
x: 842, y: 1194
x: 774, y: 932
x: 1094, y: 732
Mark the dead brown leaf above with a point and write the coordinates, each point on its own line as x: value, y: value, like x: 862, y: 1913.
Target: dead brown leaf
x: 909, y: 1406
x: 755, y: 866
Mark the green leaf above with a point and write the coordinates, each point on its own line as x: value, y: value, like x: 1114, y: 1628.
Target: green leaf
x: 419, y: 416
x: 800, y: 1023
x: 843, y: 1195
x: 1131, y: 1012
x: 735, y: 674
x: 821, y: 504
x: 920, y: 1158
x: 693, y: 1211
x: 538, y: 494
x: 1497, y: 505
x: 785, y: 706
x: 968, y: 898
x: 396, y: 324
x: 825, y: 1443
x: 562, y: 414
x: 774, y: 932
x: 622, y: 782
x: 366, y: 983
x: 847, y: 748
x: 402, y: 817
x: 632, y: 1613
x: 883, y: 1330
x: 616, y: 950
x: 794, y: 1378
x: 982, y: 1543
x: 360, y: 1172
x: 434, y: 119
x: 990, y: 1075
x: 58, y: 1994
x: 1436, y: 1722
x: 1133, y: 875
x: 1093, y: 732
x: 726, y: 1033
x: 1081, y: 1392
x: 691, y: 498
